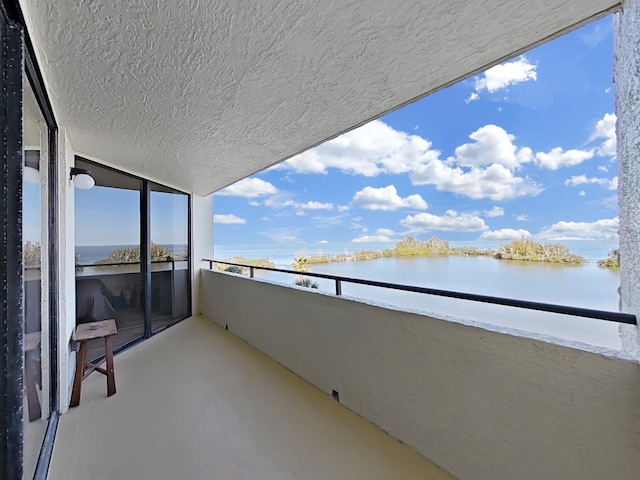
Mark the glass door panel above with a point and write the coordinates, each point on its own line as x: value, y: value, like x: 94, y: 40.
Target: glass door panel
x: 35, y: 277
x: 108, y: 269
x: 170, y: 272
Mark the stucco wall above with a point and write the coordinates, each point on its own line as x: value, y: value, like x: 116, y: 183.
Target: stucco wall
x: 201, y: 242
x: 481, y: 404
x: 627, y: 78
x: 66, y: 268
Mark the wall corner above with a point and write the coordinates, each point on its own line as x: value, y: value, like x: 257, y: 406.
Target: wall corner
x: 627, y: 79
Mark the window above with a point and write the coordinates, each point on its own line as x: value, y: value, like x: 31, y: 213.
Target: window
x: 132, y: 255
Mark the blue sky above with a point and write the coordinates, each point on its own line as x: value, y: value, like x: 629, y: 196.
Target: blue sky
x: 111, y: 216
x: 526, y: 148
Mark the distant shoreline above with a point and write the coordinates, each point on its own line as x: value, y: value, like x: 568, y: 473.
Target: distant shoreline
x: 522, y: 250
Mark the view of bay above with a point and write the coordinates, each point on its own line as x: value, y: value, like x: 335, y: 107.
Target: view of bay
x: 89, y: 254
x: 587, y: 285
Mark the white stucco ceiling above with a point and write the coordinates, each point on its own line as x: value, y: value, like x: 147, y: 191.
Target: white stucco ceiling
x: 200, y: 94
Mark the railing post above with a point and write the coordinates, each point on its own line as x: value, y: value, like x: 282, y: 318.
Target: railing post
x: 210, y: 264
x: 338, y: 288
x: 250, y: 272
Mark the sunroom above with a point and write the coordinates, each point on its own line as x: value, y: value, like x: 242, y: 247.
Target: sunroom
x: 156, y: 107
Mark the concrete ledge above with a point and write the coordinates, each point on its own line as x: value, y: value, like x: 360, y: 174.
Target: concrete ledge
x: 480, y: 404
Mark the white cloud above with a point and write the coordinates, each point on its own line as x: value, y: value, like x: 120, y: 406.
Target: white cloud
x: 582, y: 193
x: 557, y: 158
x: 376, y: 148
x: 493, y: 145
x: 451, y: 221
x: 522, y: 218
x: 228, y: 219
x: 253, y: 203
x: 494, y: 212
x: 472, y: 97
x: 315, y: 206
x: 331, y: 221
x: 280, y: 201
x: 383, y: 235
x: 369, y: 150
x: 249, y: 188
x: 610, y: 184
x: 606, y: 128
x: 372, y: 239
x: 492, y: 160
x: 343, y: 208
x: 283, y: 234
x: 495, y: 182
x: 300, y: 213
x: 595, y: 34
x: 506, y: 74
x: 356, y: 224
x: 505, y: 234
x: 603, y: 168
x: 610, y: 203
x: 605, y: 229
x: 386, y: 198
x: 323, y: 241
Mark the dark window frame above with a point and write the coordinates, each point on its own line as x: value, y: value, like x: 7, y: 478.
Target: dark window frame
x: 145, y: 250
x: 18, y: 57
x: 11, y: 277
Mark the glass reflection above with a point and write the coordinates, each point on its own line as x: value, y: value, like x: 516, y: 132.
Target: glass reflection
x: 108, y: 274
x: 170, y: 256
x: 36, y: 332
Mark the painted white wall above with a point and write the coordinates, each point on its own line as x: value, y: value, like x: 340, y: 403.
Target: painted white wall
x: 480, y: 404
x: 627, y: 78
x: 66, y: 268
x: 201, y: 243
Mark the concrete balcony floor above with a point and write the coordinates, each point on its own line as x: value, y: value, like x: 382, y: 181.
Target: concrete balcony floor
x: 195, y: 402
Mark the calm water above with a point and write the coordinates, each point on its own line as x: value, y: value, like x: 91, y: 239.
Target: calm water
x: 92, y: 253
x: 586, y: 286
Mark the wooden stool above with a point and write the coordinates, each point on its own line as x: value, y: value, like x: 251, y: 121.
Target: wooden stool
x: 85, y: 332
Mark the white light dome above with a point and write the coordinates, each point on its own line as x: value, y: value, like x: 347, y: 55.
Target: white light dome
x: 31, y: 175
x: 83, y: 181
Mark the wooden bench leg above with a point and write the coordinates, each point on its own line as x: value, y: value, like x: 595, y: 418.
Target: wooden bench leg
x: 111, y: 378
x: 77, y: 381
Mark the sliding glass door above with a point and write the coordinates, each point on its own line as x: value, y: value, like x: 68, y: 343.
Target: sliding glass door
x: 28, y: 253
x: 36, y: 264
x: 170, y: 279
x: 132, y: 255
x: 109, y: 282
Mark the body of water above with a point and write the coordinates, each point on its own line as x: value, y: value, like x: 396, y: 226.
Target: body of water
x: 587, y: 286
x: 89, y: 254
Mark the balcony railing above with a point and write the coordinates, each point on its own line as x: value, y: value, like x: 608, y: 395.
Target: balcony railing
x: 604, y: 315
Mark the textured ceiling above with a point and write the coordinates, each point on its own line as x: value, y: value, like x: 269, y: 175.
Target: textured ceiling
x: 200, y: 94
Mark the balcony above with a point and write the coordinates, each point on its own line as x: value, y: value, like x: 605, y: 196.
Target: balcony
x: 197, y: 402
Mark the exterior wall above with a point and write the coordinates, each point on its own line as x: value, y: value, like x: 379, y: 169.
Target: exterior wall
x: 480, y: 404
x: 45, y: 337
x: 66, y: 266
x: 627, y: 78
x: 201, y: 242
